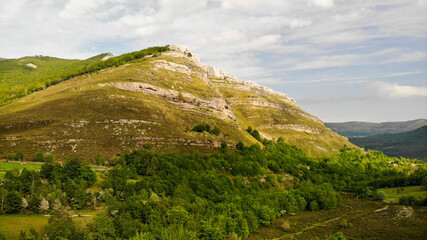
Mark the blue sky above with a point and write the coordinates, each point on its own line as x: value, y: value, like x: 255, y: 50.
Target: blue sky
x: 341, y: 60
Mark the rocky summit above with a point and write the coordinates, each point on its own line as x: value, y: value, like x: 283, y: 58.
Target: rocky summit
x: 156, y: 102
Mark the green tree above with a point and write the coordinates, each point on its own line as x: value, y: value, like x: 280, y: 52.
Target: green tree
x: 102, y: 227
x: 3, y: 197
x: 13, y: 202
x: 39, y: 157
x: 61, y: 226
x: 240, y: 146
x: 19, y: 156
x: 256, y: 135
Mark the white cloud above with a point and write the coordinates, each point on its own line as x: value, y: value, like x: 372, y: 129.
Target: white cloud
x: 381, y: 89
x: 323, y: 3
x: 326, y: 62
x: 408, y: 57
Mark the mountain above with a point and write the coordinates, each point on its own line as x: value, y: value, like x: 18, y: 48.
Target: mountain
x: 411, y: 144
x: 153, y: 98
x: 22, y: 76
x: 362, y: 129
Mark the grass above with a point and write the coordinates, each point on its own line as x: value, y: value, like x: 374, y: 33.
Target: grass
x: 356, y: 218
x: 393, y: 194
x: 11, y: 225
x: 17, y: 79
x: 6, y: 166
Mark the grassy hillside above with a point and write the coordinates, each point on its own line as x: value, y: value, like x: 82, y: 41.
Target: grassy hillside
x: 393, y: 194
x: 154, y: 101
x: 362, y: 129
x: 411, y: 144
x: 19, y: 77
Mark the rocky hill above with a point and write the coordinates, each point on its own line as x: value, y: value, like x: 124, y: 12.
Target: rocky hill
x: 156, y: 101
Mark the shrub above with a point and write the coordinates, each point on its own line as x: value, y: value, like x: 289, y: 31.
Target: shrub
x: 272, y: 179
x: 240, y: 146
x: 381, y: 196
x: 314, y: 206
x: 337, y: 236
x: 199, y: 128
x: 286, y: 226
x: 256, y: 135
x: 19, y: 156
x: 39, y: 157
x: 216, y: 131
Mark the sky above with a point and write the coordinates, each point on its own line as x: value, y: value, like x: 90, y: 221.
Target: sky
x: 341, y: 60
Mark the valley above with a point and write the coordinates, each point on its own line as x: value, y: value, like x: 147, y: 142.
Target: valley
x: 154, y: 144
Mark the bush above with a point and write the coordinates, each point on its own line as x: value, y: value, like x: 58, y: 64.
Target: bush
x: 39, y: 157
x: 199, y: 128
x: 314, y: 206
x: 216, y: 131
x: 9, y: 157
x: 206, y: 128
x: 345, y: 224
x: 337, y: 236
x: 408, y: 200
x: 19, y: 156
x: 240, y: 146
x: 272, y: 179
x: 256, y: 135
x: 286, y: 226
x: 380, y: 196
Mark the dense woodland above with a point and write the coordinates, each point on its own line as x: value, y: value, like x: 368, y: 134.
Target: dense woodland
x: 224, y: 195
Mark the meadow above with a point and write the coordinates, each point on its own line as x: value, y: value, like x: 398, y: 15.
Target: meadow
x: 12, y: 224
x: 393, y: 194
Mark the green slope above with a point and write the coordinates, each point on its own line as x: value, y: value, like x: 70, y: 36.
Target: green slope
x: 411, y: 144
x: 156, y: 100
x: 362, y: 129
x: 19, y: 77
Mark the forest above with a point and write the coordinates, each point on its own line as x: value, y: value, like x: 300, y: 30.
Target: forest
x: 222, y: 195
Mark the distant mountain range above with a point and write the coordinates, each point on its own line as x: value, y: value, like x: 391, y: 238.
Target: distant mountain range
x: 411, y: 144
x: 397, y: 139
x: 363, y: 129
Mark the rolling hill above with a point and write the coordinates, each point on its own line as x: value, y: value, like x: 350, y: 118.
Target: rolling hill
x: 155, y: 100
x: 412, y: 144
x: 362, y: 129
x: 20, y: 77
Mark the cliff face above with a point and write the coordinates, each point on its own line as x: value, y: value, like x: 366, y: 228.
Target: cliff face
x: 156, y: 101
